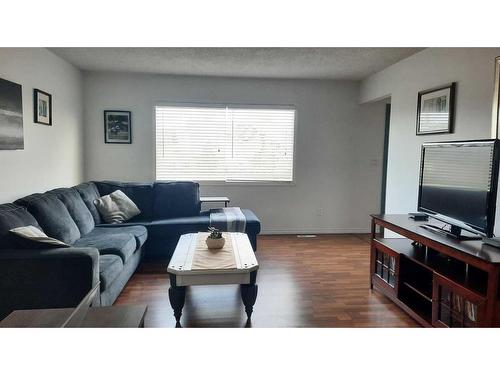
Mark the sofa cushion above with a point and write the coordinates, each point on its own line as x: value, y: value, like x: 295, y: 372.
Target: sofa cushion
x: 140, y: 193
x: 116, y: 207
x: 31, y: 237
x: 52, y: 215
x: 109, y: 241
x: 89, y: 193
x: 13, y: 216
x: 138, y: 231
x: 176, y: 199
x: 110, y: 267
x: 177, y: 226
x: 76, y: 208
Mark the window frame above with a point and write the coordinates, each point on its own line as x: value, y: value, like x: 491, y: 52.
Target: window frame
x: 231, y: 105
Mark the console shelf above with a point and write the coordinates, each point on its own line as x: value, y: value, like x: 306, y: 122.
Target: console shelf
x: 471, y: 277
x: 439, y: 281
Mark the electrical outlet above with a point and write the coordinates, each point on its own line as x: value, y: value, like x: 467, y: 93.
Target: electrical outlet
x: 320, y: 211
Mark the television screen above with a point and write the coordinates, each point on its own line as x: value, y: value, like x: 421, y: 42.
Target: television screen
x: 458, y: 183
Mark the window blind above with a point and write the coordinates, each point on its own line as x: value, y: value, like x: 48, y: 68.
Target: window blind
x: 224, y: 143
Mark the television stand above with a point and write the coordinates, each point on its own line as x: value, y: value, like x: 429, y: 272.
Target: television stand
x: 438, y: 280
x: 454, y: 232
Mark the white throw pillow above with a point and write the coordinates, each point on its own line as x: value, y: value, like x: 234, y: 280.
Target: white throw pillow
x: 36, y: 238
x: 116, y: 207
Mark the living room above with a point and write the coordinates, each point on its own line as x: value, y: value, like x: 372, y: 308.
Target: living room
x: 248, y: 185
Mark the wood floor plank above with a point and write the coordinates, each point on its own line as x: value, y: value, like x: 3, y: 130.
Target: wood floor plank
x: 303, y: 282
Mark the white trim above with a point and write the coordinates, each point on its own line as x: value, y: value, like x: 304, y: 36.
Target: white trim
x: 245, y: 183
x: 153, y: 142
x: 317, y: 231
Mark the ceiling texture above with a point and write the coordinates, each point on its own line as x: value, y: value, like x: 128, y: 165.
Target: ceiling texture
x: 302, y: 63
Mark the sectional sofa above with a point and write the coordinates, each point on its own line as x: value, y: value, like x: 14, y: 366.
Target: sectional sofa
x: 109, y: 253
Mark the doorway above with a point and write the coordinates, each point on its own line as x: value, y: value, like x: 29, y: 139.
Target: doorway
x: 385, y: 157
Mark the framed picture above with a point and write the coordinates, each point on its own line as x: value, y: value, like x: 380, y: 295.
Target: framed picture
x: 117, y: 127
x: 496, y: 102
x: 42, y: 104
x: 435, y: 110
x: 11, y: 116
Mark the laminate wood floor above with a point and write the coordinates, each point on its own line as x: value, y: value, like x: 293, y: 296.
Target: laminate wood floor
x: 303, y: 282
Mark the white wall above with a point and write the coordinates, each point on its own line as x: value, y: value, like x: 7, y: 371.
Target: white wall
x: 471, y: 68
x: 52, y: 155
x: 369, y: 150
x: 334, y: 151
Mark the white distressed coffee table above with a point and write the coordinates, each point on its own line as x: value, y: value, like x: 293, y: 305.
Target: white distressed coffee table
x: 193, y: 265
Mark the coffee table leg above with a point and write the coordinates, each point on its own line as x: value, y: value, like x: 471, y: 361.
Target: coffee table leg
x: 177, y: 296
x: 249, y: 294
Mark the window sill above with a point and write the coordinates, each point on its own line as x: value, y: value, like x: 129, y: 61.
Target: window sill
x: 246, y: 183
x: 243, y: 183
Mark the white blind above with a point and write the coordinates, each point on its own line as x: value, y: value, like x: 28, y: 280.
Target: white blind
x: 224, y: 143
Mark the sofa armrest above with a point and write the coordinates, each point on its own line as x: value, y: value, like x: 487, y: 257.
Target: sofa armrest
x: 47, y: 278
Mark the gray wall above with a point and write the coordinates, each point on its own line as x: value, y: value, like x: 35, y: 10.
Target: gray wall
x: 338, y: 145
x: 471, y: 68
x: 52, y: 155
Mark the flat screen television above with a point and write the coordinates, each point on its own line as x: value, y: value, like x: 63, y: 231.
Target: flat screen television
x: 458, y: 184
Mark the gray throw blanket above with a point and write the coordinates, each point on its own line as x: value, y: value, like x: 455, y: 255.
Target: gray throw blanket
x: 229, y: 219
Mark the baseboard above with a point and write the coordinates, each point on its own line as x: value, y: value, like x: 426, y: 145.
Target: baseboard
x: 316, y: 231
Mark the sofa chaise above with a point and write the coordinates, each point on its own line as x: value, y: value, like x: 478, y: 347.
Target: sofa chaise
x: 109, y: 253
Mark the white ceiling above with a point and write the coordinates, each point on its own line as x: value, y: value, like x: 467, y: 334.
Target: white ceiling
x: 324, y: 63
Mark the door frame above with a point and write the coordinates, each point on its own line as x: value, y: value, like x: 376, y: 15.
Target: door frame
x: 383, y: 190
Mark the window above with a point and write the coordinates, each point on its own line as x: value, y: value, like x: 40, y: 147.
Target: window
x: 224, y: 143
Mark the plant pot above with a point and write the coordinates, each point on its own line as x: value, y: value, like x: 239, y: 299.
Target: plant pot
x: 215, y: 243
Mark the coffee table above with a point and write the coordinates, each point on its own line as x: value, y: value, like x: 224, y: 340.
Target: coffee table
x: 183, y: 273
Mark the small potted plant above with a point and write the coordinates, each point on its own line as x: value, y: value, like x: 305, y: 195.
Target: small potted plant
x: 215, y: 240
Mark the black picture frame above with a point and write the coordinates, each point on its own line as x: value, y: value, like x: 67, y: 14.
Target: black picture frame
x: 117, y: 127
x: 42, y: 109
x: 11, y: 116
x: 442, y: 119
x: 496, y: 101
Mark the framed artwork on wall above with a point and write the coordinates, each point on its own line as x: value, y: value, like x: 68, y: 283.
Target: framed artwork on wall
x: 117, y: 127
x: 42, y: 104
x: 11, y: 116
x: 496, y: 101
x: 436, y: 110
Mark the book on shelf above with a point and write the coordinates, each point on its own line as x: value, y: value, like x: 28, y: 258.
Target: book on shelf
x: 470, y: 311
x: 457, y: 303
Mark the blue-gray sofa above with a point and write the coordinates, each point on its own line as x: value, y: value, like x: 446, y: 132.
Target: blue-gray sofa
x: 109, y: 253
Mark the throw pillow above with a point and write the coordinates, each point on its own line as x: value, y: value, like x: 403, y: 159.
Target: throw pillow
x: 31, y: 237
x: 116, y: 207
